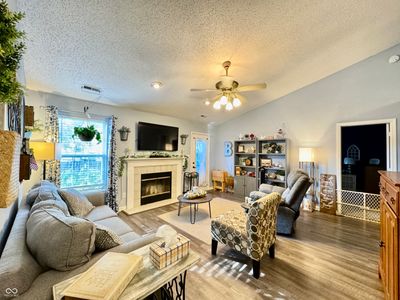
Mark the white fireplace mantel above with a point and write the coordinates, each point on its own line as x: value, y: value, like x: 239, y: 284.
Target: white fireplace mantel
x: 138, y: 166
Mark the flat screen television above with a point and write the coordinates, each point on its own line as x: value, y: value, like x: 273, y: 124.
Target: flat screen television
x: 154, y: 137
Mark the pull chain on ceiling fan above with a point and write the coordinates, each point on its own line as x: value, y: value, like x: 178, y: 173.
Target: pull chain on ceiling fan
x: 228, y: 90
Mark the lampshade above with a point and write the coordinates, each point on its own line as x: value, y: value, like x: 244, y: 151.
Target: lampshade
x: 306, y: 155
x: 43, y: 150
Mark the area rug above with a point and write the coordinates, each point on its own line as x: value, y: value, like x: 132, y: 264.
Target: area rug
x: 202, y: 228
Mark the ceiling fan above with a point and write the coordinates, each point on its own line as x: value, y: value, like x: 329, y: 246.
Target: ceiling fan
x: 228, y: 90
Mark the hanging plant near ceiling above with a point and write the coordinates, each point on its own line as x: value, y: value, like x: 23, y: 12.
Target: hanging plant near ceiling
x: 87, y: 134
x: 11, y: 50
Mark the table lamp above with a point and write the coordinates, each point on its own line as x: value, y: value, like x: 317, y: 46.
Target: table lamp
x: 43, y: 151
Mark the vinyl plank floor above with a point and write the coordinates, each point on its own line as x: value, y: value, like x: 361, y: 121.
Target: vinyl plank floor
x: 328, y: 257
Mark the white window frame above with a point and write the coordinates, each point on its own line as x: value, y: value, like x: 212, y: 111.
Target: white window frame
x: 73, y: 115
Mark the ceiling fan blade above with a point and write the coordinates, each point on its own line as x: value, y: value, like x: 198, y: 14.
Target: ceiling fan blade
x: 241, y: 98
x: 203, y: 90
x: 251, y: 87
x: 216, y: 97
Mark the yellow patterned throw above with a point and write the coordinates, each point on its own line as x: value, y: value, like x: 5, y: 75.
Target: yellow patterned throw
x: 162, y: 256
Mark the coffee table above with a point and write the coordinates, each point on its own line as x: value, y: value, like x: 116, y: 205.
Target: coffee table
x: 149, y: 279
x: 195, y: 202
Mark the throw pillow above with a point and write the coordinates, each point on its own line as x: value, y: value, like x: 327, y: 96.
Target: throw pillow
x: 42, y: 191
x: 58, y: 241
x: 50, y: 204
x: 77, y: 203
x: 106, y: 238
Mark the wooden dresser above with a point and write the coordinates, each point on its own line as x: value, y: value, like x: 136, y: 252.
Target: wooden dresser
x: 389, y: 241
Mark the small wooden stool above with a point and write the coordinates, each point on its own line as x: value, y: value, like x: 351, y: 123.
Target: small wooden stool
x: 219, y: 180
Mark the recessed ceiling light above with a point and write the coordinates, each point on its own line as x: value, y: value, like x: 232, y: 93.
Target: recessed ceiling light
x: 156, y: 84
x: 207, y: 102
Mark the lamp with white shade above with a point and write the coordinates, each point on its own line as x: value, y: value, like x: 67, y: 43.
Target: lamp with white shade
x: 307, y: 163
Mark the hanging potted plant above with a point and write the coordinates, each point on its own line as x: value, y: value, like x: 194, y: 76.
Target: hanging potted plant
x: 123, y: 133
x: 11, y: 50
x: 87, y: 134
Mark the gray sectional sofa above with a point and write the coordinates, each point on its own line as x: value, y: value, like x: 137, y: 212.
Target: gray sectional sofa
x: 22, y: 275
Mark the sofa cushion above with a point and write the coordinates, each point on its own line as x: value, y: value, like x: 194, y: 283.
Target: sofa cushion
x: 77, y: 203
x: 100, y: 212
x: 129, y: 236
x: 115, y: 224
x: 58, y: 241
x: 96, y: 197
x: 106, y: 238
x: 18, y: 268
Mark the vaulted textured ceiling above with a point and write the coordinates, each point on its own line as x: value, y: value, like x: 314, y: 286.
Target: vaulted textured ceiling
x: 122, y: 46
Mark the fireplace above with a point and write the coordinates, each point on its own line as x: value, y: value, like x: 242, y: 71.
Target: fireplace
x: 141, y: 174
x: 155, y: 187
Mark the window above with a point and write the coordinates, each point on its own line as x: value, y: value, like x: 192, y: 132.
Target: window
x: 83, y: 165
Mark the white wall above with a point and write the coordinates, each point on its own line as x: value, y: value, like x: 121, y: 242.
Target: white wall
x: 126, y: 117
x: 365, y: 91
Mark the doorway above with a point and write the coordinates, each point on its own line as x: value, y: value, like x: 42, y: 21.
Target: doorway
x: 199, y: 156
x: 363, y: 148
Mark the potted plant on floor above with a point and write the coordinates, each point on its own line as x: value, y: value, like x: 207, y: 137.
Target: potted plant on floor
x: 87, y: 134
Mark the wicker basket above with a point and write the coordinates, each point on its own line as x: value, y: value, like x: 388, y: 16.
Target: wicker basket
x: 10, y: 147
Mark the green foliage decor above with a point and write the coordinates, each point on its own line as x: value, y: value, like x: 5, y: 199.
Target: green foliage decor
x: 87, y: 133
x: 11, y: 50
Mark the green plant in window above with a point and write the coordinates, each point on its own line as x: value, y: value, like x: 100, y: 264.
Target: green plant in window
x: 87, y: 134
x: 11, y: 50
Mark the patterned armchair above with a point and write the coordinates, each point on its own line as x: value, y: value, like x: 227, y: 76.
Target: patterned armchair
x: 251, y: 233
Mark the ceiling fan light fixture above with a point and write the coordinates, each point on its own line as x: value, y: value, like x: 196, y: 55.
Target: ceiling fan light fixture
x: 236, y: 102
x: 217, y: 105
x: 229, y: 106
x: 223, y: 100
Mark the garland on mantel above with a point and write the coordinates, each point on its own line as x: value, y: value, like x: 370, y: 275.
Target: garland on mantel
x: 122, y: 159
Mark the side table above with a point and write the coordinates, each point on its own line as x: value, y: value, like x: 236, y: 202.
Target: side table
x: 195, y: 202
x: 170, y: 282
